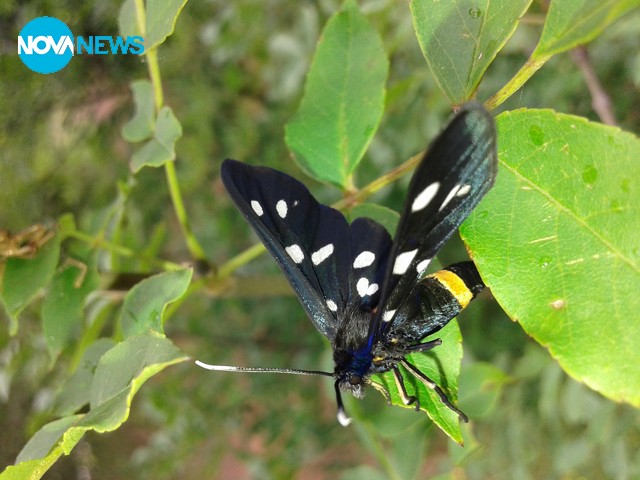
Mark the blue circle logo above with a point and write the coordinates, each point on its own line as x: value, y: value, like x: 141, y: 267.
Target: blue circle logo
x: 45, y: 45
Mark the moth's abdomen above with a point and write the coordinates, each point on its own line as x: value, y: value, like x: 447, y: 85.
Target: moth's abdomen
x: 435, y: 300
x: 461, y: 280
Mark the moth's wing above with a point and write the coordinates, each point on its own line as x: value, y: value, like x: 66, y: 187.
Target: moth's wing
x: 459, y: 168
x: 309, y: 241
x: 370, y: 245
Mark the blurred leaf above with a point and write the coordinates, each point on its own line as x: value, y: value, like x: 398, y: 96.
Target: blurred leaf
x: 168, y: 129
x: 383, y: 215
x: 442, y: 365
x: 569, y: 24
x: 564, y: 212
x: 160, y: 149
x: 63, y: 304
x: 144, y: 304
x: 40, y: 444
x: 480, y: 387
x: 119, y: 375
x: 343, y: 100
x: 125, y: 368
x: 141, y: 126
x: 24, y: 277
x: 76, y: 390
x: 161, y: 18
x: 461, y: 38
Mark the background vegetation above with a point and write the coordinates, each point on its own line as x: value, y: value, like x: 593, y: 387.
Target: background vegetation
x: 233, y: 74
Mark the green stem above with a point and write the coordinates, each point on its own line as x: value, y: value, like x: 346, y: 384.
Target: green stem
x: 228, y: 267
x: 368, y: 190
x: 193, y: 245
x: 153, y: 68
x: 120, y: 250
x: 519, y: 79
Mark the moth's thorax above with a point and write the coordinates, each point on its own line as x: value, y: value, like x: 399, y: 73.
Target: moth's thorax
x: 351, y: 353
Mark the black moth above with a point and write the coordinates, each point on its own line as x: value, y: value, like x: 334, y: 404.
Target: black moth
x: 367, y: 294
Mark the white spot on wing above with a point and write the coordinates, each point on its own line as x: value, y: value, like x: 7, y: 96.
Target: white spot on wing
x: 363, y: 260
x: 281, y: 208
x: 422, y: 266
x: 424, y: 197
x: 403, y: 261
x: 452, y: 193
x: 257, y: 207
x: 464, y: 189
x: 295, y: 252
x: 388, y: 315
x: 332, y: 305
x: 364, y: 288
x: 322, y: 254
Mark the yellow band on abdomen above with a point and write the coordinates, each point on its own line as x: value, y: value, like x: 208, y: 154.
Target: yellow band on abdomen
x: 455, y: 285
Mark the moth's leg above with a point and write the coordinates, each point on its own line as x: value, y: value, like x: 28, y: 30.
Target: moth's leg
x: 423, y: 347
x: 406, y: 398
x: 434, y: 386
x: 382, y: 390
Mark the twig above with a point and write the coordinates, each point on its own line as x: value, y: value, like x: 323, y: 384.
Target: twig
x: 600, y: 100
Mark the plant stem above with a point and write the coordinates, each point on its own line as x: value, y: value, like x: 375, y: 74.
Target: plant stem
x: 120, y: 250
x: 228, y: 267
x: 519, y: 79
x: 153, y: 68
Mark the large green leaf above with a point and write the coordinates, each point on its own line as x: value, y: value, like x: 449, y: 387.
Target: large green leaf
x: 119, y: 375
x: 460, y: 39
x: 442, y: 365
x: 569, y: 24
x: 144, y: 304
x: 343, y: 99
x: 557, y: 241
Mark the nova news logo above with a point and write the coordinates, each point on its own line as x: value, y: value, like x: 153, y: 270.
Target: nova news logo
x: 46, y: 45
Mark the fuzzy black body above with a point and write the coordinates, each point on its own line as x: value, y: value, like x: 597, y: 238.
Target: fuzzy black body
x: 369, y: 294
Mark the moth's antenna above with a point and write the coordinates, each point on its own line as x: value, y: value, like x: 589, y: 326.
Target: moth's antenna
x: 292, y: 371
x: 343, y: 418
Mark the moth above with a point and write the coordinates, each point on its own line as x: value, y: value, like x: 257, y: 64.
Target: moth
x: 367, y: 294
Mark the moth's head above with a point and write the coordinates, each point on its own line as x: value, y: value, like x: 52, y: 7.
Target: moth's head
x: 351, y: 371
x: 352, y: 383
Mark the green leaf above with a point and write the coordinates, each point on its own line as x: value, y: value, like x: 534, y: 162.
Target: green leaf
x: 76, y: 390
x: 141, y: 126
x: 161, y: 148
x: 144, y: 304
x: 63, y: 305
x: 569, y: 24
x: 119, y: 375
x: 557, y: 242
x: 343, y: 99
x: 24, y: 277
x: 168, y: 129
x: 40, y: 444
x: 480, y: 387
x: 460, y: 39
x: 160, y: 21
x: 383, y: 215
x: 442, y: 365
x: 126, y: 366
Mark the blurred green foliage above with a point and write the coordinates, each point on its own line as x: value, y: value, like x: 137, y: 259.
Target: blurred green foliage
x: 233, y: 74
